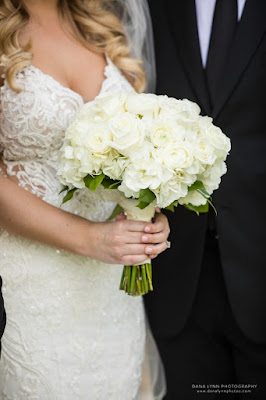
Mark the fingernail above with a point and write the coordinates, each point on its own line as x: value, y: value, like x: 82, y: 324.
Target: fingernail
x: 149, y: 250
x: 144, y: 238
x: 147, y: 229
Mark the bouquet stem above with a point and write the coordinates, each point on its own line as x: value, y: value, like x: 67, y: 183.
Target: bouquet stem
x: 136, y: 279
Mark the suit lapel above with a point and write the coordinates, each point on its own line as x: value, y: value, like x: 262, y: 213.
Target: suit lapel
x: 249, y: 33
x: 183, y: 24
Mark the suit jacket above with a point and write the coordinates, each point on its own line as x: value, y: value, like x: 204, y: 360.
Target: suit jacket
x: 240, y: 110
x: 2, y: 314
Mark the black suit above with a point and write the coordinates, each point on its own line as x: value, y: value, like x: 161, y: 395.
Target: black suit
x: 240, y: 110
x: 2, y: 314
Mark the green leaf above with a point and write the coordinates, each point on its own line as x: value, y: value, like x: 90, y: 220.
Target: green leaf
x: 146, y: 196
x: 142, y: 205
x: 204, y: 194
x: 212, y: 206
x: 69, y: 195
x: 109, y: 183
x: 115, y: 185
x: 64, y: 189
x: 172, y: 206
x: 92, y: 182
x: 117, y: 210
x: 87, y: 180
x: 198, y: 209
x: 198, y: 185
x: 200, y: 188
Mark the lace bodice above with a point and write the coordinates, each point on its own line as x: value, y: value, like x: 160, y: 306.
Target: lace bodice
x: 33, y: 123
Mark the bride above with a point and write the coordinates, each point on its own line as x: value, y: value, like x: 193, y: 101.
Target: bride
x: 70, y: 333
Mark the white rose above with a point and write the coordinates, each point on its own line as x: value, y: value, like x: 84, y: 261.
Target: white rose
x: 94, y: 136
x: 215, y: 136
x: 67, y: 151
x: 146, y: 105
x: 204, y: 152
x: 176, y: 156
x: 115, y: 167
x: 128, y: 192
x: 164, y: 131
x: 145, y: 174
x: 135, y: 155
x: 91, y: 163
x: 192, y: 134
x: 169, y: 192
x: 76, y: 132
x: 185, y: 177
x: 79, y: 152
x: 195, y: 168
x: 126, y: 131
x: 69, y: 174
x: 174, y: 108
x: 212, y: 177
x: 87, y: 113
x: 110, y: 104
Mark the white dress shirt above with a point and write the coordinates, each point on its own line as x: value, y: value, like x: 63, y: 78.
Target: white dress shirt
x: 205, y: 11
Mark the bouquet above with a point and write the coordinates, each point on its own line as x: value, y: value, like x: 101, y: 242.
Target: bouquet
x: 149, y: 151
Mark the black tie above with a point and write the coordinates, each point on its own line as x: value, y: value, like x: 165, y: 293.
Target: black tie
x: 223, y: 30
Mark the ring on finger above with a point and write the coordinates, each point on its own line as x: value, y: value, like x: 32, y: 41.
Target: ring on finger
x: 168, y: 244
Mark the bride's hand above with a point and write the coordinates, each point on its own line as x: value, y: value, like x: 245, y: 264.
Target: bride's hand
x: 155, y: 234
x: 129, y: 242
x: 118, y: 242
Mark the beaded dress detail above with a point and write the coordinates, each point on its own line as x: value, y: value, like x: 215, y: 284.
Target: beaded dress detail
x: 70, y: 334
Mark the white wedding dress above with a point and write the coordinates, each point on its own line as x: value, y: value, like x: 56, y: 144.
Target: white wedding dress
x: 70, y: 334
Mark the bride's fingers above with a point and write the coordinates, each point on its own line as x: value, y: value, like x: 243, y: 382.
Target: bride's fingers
x: 160, y: 224
x: 139, y: 238
x: 134, y: 238
x: 155, y: 249
x: 140, y: 249
x: 154, y: 238
x: 131, y: 225
x: 131, y: 254
x: 133, y: 249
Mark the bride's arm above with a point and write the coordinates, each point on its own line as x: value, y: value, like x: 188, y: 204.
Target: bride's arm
x: 122, y: 242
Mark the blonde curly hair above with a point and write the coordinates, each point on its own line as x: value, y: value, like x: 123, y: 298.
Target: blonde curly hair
x: 93, y: 22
